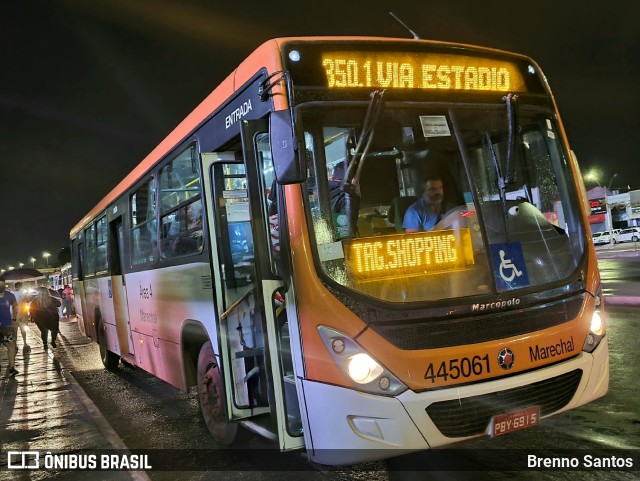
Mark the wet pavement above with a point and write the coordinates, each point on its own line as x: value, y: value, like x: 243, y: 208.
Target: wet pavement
x: 626, y: 294
x: 42, y: 410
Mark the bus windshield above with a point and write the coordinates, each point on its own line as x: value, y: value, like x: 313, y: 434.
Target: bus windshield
x: 428, y: 202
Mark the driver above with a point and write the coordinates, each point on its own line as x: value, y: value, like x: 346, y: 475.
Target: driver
x: 426, y: 212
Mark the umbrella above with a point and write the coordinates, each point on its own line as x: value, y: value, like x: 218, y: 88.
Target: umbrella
x: 23, y: 274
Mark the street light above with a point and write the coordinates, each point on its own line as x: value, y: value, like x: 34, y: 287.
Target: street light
x: 46, y: 256
x: 33, y: 262
x: 593, y: 176
x: 20, y: 264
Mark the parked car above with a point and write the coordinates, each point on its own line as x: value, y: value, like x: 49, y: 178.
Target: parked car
x: 605, y: 237
x: 632, y: 234
x: 598, y: 239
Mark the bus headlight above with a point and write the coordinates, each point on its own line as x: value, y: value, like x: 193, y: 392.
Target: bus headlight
x: 365, y: 373
x: 363, y: 368
x: 597, y: 327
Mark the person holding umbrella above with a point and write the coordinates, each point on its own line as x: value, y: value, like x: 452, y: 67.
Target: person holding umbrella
x: 8, y: 330
x: 44, y: 312
x: 23, y: 314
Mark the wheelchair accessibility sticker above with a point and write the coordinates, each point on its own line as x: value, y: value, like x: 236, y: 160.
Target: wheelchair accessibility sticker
x: 508, y: 266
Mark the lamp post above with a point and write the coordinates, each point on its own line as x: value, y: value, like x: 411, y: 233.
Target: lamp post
x: 46, y: 256
x: 611, y: 180
x: 33, y: 262
x: 593, y: 175
x: 20, y: 264
x: 609, y: 213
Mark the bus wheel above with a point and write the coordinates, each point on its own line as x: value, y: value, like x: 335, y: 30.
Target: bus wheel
x: 109, y: 359
x: 212, y: 398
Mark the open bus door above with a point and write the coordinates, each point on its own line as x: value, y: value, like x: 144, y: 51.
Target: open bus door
x: 255, y: 353
x: 118, y: 290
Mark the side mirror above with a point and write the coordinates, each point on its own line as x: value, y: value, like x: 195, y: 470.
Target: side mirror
x: 288, y: 166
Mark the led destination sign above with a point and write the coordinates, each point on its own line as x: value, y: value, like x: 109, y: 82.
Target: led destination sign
x: 421, y: 71
x: 410, y: 254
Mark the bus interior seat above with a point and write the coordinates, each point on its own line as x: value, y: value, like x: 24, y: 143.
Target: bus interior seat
x: 399, y: 206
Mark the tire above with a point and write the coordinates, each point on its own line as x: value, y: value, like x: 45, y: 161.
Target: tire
x: 212, y: 397
x: 109, y: 359
x: 634, y: 238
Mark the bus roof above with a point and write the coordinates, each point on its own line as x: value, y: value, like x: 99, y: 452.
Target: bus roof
x: 266, y: 56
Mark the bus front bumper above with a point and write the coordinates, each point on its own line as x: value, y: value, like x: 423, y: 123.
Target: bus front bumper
x: 349, y: 427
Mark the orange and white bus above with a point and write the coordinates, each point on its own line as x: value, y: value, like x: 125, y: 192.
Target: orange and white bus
x: 361, y: 247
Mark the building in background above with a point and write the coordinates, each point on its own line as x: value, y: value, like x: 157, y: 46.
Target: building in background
x: 611, y: 210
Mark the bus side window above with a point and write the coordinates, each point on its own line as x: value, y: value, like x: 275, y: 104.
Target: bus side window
x: 90, y: 236
x: 181, y: 205
x: 101, y: 245
x: 143, y: 225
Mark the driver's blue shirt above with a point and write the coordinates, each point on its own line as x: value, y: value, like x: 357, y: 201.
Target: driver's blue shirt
x: 419, y: 216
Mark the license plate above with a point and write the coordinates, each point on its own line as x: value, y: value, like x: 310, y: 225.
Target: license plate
x: 514, y: 421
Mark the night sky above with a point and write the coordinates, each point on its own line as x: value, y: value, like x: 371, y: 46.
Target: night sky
x: 89, y: 87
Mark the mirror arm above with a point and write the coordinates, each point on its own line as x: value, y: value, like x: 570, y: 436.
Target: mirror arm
x: 266, y: 86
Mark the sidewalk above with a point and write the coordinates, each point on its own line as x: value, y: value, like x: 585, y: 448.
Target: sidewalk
x: 44, y: 409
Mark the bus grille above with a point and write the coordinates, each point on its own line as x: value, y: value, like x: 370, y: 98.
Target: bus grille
x: 471, y: 416
x: 436, y: 333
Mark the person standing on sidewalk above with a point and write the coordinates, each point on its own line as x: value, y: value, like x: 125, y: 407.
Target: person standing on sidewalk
x: 23, y: 314
x: 44, y: 312
x: 8, y: 329
x: 67, y: 300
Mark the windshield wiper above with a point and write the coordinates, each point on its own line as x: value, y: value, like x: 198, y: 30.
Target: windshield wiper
x: 506, y: 177
x: 512, y: 125
x: 502, y: 180
x: 350, y: 184
x: 354, y: 168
